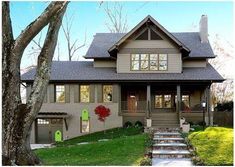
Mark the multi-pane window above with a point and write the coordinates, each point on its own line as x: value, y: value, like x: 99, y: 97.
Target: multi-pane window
x: 43, y: 121
x: 84, y: 93
x: 162, y: 62
x: 60, y: 93
x: 152, y: 62
x: 107, y: 93
x: 144, y: 62
x: 185, y: 100
x: 167, y: 101
x: 163, y: 101
x: 135, y: 64
x: 158, y: 101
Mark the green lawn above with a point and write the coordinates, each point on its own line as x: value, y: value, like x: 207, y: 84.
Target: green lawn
x: 214, y: 146
x: 125, y: 147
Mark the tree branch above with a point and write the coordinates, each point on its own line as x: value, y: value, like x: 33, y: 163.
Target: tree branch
x: 44, y: 67
x: 37, y: 25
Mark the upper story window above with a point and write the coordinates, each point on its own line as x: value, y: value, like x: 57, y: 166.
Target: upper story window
x: 107, y: 93
x: 60, y: 93
x: 85, y: 93
x: 151, y: 62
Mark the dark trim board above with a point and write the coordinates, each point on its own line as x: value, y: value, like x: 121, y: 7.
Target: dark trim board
x: 130, y: 81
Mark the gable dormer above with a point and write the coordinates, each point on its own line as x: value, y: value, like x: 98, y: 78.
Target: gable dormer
x: 149, y: 48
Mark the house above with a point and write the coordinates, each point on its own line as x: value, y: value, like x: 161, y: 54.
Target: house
x: 147, y: 73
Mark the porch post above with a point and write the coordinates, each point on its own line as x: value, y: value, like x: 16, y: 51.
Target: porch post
x: 148, y: 106
x: 178, y: 105
x: 208, y: 107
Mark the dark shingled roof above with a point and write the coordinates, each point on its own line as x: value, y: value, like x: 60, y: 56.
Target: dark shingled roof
x: 103, y: 41
x: 84, y: 71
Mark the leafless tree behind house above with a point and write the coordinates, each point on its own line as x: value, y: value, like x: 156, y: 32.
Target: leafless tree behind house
x: 117, y: 17
x: 222, y: 92
x: 72, y: 45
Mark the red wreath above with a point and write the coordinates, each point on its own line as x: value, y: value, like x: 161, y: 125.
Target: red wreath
x: 102, y: 112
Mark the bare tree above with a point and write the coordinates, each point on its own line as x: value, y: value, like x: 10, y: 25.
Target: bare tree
x: 222, y: 92
x: 17, y: 118
x: 117, y: 18
x: 72, y: 46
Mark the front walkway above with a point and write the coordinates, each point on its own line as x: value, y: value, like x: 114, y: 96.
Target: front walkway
x: 169, y: 149
x: 37, y: 146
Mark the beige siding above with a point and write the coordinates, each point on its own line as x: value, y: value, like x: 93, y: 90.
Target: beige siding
x: 99, y: 93
x: 115, y: 93
x: 92, y: 93
x: 67, y: 93
x: 194, y: 63
x: 51, y: 93
x: 104, y: 63
x: 174, y: 64
x: 148, y: 44
x: 76, y: 93
x: 45, y: 97
x: 195, y: 98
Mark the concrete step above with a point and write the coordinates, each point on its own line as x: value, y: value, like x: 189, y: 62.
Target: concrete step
x: 165, y: 125
x: 171, y: 162
x: 167, y: 133
x: 166, y: 138
x: 171, y: 152
x: 169, y: 145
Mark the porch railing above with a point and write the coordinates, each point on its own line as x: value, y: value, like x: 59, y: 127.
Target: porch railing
x: 134, y: 106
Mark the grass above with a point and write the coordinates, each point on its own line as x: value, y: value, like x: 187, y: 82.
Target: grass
x: 214, y: 146
x: 125, y: 147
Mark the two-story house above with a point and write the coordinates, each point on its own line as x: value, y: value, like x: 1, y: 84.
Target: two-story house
x: 145, y: 73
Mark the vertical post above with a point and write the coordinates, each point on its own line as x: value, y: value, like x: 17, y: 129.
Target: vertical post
x: 203, y: 115
x: 148, y: 106
x: 119, y: 100
x: 208, y: 108
x: 178, y: 105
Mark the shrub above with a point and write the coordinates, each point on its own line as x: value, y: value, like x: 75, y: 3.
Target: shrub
x: 146, y: 161
x: 226, y: 106
x: 128, y: 124
x: 191, y: 123
x: 138, y: 124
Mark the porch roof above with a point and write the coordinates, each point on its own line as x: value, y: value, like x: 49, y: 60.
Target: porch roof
x: 83, y: 71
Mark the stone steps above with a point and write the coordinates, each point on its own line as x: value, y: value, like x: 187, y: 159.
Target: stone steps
x: 168, y: 139
x: 171, y: 152
x: 168, y: 143
x: 167, y: 133
x: 165, y: 125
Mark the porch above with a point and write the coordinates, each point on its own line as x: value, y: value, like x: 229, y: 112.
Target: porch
x: 159, y: 102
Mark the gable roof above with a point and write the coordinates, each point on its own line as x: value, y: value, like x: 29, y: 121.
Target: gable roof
x: 147, y: 19
x: 103, y: 41
x: 83, y: 71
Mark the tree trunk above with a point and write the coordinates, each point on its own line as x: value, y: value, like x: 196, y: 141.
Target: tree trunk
x: 18, y: 117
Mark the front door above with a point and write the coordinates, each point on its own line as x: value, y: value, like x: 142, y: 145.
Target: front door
x: 132, y: 101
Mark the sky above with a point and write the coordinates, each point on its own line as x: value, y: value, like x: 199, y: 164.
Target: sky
x: 90, y: 18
